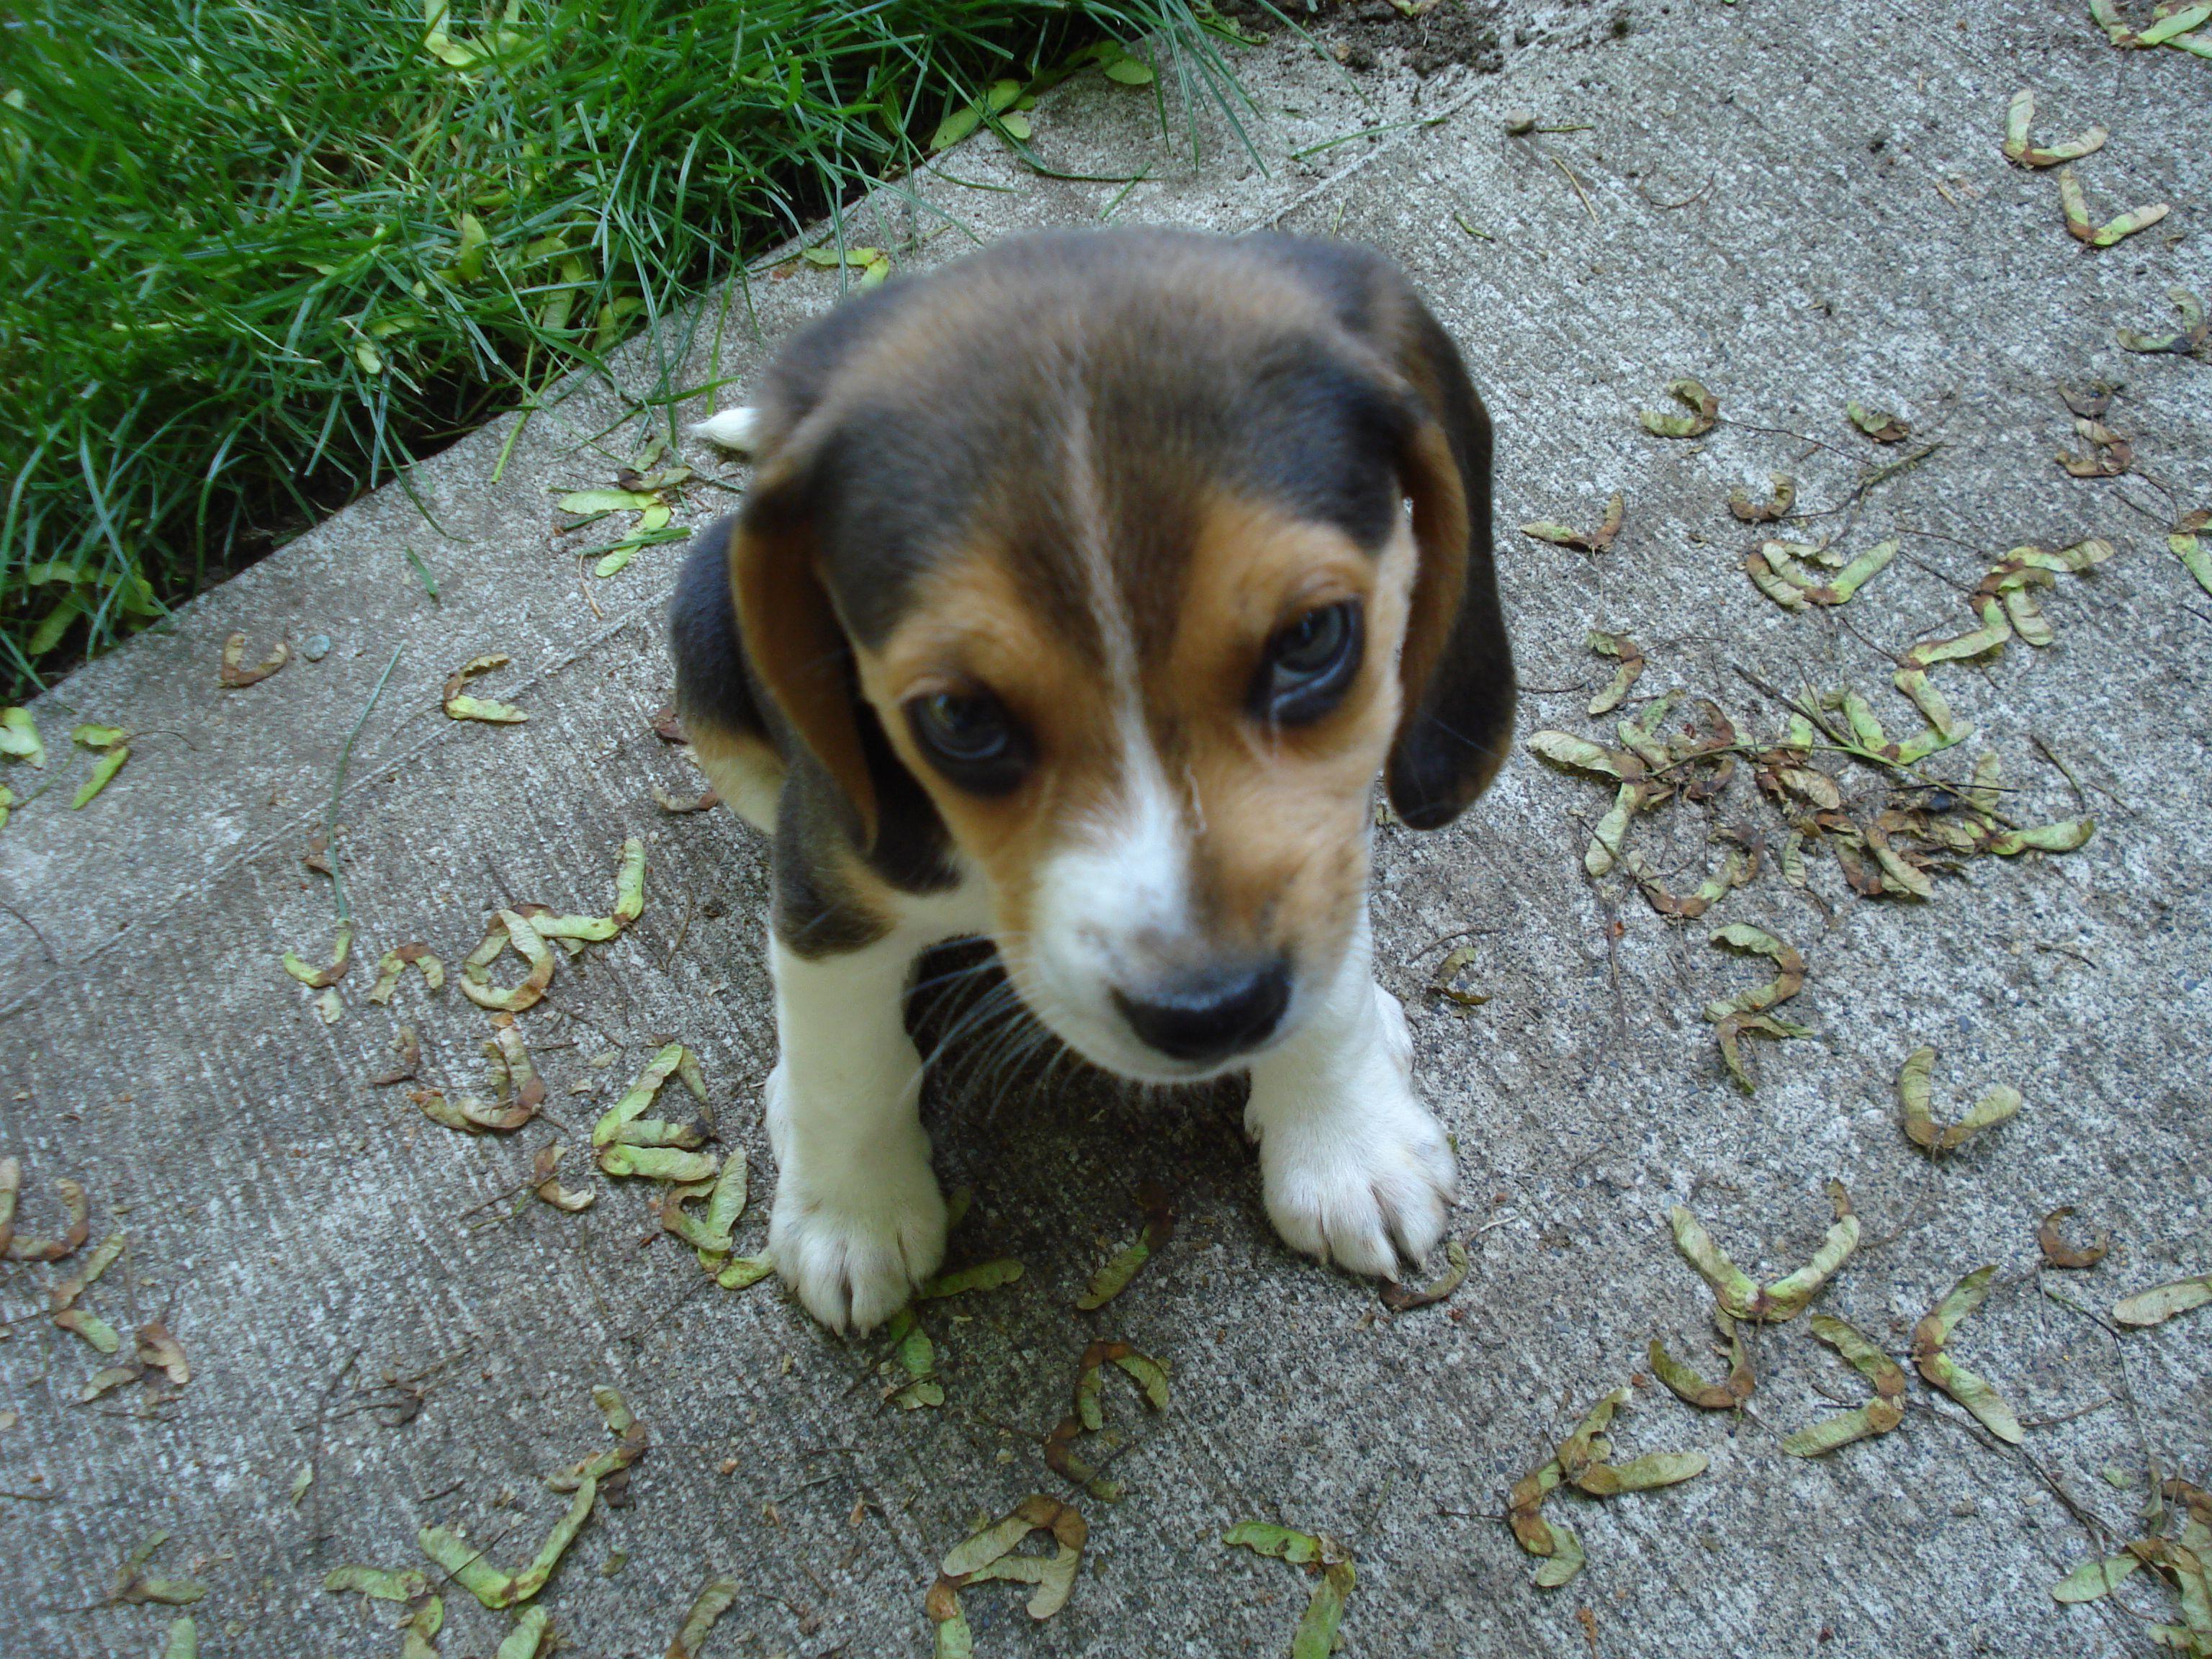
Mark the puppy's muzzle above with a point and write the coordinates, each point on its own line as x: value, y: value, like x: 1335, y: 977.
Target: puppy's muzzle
x: 1211, y: 1015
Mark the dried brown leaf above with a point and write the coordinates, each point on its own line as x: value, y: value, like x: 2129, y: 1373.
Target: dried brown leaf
x: 234, y: 675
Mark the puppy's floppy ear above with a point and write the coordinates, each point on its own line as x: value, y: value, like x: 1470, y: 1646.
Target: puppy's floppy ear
x: 1457, y: 669
x: 793, y: 638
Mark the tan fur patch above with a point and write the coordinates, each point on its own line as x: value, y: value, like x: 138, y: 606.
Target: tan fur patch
x: 745, y: 770
x: 1279, y: 849
x: 969, y: 628
x: 1278, y: 816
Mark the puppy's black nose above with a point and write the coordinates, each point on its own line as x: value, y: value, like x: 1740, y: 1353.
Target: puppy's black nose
x: 1210, y: 1016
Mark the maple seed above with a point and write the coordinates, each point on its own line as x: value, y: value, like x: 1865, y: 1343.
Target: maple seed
x: 2076, y: 206
x: 1582, y: 1461
x: 2190, y: 339
x: 2020, y: 148
x: 1929, y: 1338
x: 1316, y: 1637
x: 2109, y: 456
x: 1693, y: 1390
x: 1114, y: 1278
x: 462, y: 706
x: 2161, y: 1302
x: 507, y: 929
x: 1594, y: 541
x: 1878, y: 424
x: 1399, y: 1299
x: 2093, y: 1578
x: 1629, y: 655
x: 234, y: 676
x: 2057, y: 1253
x: 1878, y: 1416
x: 1704, y: 413
x: 715, y: 1599
x: 1751, y: 512
x: 989, y: 1555
x: 1920, y: 1126
x: 1742, y: 1298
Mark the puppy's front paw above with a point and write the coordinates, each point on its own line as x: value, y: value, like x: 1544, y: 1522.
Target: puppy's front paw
x: 853, y: 1242
x: 1359, y: 1185
x: 1397, y: 1035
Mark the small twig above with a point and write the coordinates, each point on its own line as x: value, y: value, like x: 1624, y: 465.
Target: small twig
x: 638, y: 1335
x: 1975, y: 548
x: 683, y: 927
x: 2080, y: 792
x: 315, y: 1450
x: 496, y: 1197
x: 2073, y: 950
x: 1950, y: 582
x: 1577, y: 184
x: 36, y: 933
x: 1851, y: 628
x: 1781, y: 432
x: 2068, y: 1417
x: 1668, y: 207
x: 1882, y: 474
x: 1446, y: 939
x: 1920, y: 1211
x: 480, y: 1552
x: 1852, y: 503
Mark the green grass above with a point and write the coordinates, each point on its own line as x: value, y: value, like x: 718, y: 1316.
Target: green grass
x: 256, y: 258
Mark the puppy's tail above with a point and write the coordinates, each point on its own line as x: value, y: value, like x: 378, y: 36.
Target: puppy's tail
x: 732, y: 428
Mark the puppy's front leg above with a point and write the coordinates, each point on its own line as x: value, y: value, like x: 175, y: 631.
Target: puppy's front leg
x: 1353, y: 1167
x: 858, y: 1221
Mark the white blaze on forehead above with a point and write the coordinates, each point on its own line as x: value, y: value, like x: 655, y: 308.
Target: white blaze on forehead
x: 1102, y: 594
x: 1115, y: 891
x: 1147, y: 830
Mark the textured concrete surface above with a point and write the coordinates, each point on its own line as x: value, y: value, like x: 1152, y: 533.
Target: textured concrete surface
x: 1849, y: 230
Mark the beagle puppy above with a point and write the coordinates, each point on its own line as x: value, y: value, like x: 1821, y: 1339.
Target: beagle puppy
x: 1083, y: 589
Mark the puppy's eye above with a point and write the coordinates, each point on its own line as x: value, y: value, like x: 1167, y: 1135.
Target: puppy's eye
x: 970, y: 737
x: 1309, y: 665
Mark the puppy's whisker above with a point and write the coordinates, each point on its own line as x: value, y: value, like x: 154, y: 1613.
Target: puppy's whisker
x: 971, y: 971
x: 994, y: 1003
x: 1012, y: 1030
x: 1015, y: 1060
x: 1012, y: 1033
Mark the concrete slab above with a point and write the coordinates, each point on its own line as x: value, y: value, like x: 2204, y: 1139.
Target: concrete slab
x: 1846, y: 228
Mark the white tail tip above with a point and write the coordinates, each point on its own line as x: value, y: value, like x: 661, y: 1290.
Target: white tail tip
x: 732, y: 428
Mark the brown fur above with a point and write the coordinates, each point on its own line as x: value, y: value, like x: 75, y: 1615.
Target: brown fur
x: 1221, y: 432
x: 1279, y: 853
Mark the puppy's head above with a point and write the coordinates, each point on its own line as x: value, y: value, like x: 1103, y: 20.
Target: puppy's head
x: 1144, y: 554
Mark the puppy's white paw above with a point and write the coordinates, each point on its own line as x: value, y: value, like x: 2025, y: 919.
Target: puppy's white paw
x: 854, y: 1237
x: 1359, y: 1185
x: 1397, y: 1035
x: 854, y: 1253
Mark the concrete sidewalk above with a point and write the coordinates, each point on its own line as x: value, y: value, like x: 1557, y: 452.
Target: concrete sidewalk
x: 1800, y: 207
